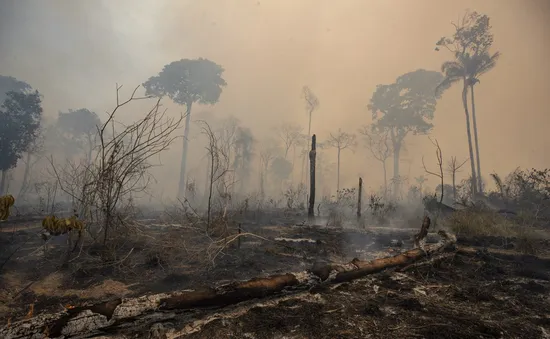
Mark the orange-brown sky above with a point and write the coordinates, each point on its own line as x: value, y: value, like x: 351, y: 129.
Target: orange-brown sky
x: 74, y: 53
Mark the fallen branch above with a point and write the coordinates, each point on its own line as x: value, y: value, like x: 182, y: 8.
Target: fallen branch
x: 134, y: 314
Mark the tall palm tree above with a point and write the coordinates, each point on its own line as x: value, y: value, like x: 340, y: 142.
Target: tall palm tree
x: 468, y: 67
x: 480, y: 64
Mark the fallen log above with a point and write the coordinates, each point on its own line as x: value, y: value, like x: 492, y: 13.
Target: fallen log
x: 130, y: 314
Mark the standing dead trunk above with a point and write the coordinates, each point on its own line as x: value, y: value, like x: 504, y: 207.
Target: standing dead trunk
x: 359, y: 195
x: 181, y: 187
x: 309, y: 134
x: 3, y: 181
x: 474, y: 121
x: 312, y: 158
x: 338, y: 177
x: 469, y: 133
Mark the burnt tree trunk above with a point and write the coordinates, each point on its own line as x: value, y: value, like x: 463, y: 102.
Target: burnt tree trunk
x: 136, y: 316
x: 359, y: 194
x: 312, y: 158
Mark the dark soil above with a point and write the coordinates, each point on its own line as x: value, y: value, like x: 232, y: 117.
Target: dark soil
x: 461, y: 297
x: 493, y: 292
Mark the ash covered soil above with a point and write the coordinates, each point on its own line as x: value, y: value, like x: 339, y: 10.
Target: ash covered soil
x: 485, y: 290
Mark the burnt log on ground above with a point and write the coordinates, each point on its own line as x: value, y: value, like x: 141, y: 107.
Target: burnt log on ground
x: 119, y: 316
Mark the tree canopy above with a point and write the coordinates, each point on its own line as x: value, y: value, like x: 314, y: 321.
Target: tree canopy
x: 407, y: 105
x: 8, y: 84
x: 20, y: 116
x: 80, y: 127
x: 281, y: 167
x: 78, y: 123
x: 188, y: 81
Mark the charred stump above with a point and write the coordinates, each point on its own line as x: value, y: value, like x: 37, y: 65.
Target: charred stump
x: 312, y: 158
x: 359, y: 195
x: 421, y: 235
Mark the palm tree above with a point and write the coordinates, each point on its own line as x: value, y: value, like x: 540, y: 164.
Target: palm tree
x: 468, y: 68
x: 480, y: 64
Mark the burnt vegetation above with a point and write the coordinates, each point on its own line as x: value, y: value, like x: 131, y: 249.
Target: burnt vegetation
x: 263, y: 240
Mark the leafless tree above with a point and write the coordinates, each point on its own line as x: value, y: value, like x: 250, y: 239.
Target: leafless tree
x: 219, y: 167
x: 380, y: 147
x: 120, y: 167
x: 290, y: 134
x: 453, y: 167
x: 340, y: 141
x: 227, y: 135
x: 439, y: 174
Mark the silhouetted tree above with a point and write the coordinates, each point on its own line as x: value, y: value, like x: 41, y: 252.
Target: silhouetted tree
x: 312, y: 103
x: 290, y: 134
x: 340, y: 141
x: 379, y: 144
x: 281, y: 168
x: 404, y: 107
x: 244, y: 145
x: 8, y: 84
x: 470, y: 46
x: 453, y: 167
x: 20, y: 116
x: 268, y: 152
x: 187, y: 82
x: 33, y: 151
x: 79, y: 127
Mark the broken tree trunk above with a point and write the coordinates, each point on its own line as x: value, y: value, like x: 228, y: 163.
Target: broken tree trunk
x: 423, y: 233
x: 312, y: 159
x: 130, y: 315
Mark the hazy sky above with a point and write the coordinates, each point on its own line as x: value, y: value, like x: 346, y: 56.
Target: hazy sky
x: 74, y: 51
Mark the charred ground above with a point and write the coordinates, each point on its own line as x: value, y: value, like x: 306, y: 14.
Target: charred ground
x: 486, y: 287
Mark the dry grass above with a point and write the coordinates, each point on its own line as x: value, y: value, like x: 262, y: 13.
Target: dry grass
x: 477, y: 223
x: 481, y: 223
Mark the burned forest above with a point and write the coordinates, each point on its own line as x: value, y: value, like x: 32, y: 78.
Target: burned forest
x: 274, y: 169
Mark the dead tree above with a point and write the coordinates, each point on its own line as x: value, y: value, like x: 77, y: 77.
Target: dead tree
x: 439, y: 157
x: 380, y: 147
x: 290, y: 135
x: 359, y: 194
x: 121, y: 165
x: 219, y: 165
x: 312, y: 159
x: 453, y: 168
x: 421, y: 235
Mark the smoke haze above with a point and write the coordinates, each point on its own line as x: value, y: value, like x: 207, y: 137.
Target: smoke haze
x: 74, y: 52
